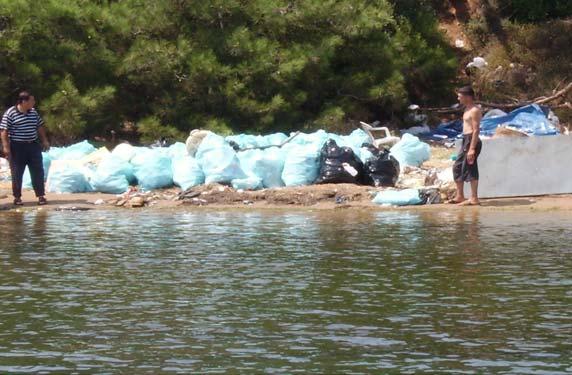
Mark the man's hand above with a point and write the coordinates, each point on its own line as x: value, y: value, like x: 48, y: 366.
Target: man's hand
x: 471, y: 157
x: 7, y: 155
x: 45, y: 146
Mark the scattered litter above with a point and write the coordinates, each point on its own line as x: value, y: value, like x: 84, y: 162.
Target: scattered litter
x: 478, y: 62
x: 72, y: 208
x: 99, y: 202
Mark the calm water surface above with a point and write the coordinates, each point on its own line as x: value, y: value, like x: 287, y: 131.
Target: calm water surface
x: 285, y: 292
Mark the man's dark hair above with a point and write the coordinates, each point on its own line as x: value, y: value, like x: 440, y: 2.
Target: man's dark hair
x: 466, y: 90
x: 23, y: 96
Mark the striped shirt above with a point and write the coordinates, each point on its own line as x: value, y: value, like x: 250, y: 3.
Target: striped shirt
x: 22, y: 127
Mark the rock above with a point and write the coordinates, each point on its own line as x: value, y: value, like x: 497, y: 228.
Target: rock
x: 99, y: 202
x: 121, y: 202
x: 137, y: 202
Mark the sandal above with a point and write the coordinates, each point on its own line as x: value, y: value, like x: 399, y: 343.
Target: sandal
x: 42, y: 201
x: 18, y: 202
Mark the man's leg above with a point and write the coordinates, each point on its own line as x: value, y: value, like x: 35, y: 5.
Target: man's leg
x: 458, y: 177
x: 475, y: 192
x: 460, y: 195
x: 36, y: 166
x: 17, y: 168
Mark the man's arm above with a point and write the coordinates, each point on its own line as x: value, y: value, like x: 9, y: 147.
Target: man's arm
x: 44, y: 138
x: 4, y: 125
x: 476, y: 125
x: 42, y: 133
x: 5, y: 143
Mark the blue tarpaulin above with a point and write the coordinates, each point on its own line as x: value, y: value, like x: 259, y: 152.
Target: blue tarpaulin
x: 529, y: 119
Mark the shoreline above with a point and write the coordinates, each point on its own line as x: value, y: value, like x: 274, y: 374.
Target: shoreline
x: 314, y: 197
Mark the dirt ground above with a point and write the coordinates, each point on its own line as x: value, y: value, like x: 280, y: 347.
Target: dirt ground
x: 316, y: 197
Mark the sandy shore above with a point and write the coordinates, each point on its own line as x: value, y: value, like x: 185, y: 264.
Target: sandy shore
x: 316, y: 197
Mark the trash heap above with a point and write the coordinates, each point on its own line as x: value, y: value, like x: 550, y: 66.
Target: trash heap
x: 245, y: 162
x: 530, y: 120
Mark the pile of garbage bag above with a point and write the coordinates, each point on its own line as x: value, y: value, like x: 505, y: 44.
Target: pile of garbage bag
x: 255, y: 162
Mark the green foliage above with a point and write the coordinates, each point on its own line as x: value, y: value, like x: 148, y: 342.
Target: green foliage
x: 535, y: 10
x: 151, y: 130
x: 530, y: 63
x: 225, y: 65
x: 67, y: 111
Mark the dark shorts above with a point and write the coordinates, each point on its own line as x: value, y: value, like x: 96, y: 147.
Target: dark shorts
x: 462, y: 170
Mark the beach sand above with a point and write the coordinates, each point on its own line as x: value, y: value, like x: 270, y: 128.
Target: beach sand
x: 315, y: 197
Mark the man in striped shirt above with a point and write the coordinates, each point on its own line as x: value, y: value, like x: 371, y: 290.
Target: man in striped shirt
x: 21, y: 130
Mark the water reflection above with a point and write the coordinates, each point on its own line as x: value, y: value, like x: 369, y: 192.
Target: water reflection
x: 285, y: 292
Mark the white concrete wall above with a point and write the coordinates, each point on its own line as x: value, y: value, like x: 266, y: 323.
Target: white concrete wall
x: 513, y: 167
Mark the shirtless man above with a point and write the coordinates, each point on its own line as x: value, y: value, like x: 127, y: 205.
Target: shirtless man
x: 466, y: 168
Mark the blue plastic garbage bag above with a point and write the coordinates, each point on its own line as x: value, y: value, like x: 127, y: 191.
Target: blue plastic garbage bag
x: 113, y: 175
x: 247, y: 183
x: 125, y: 151
x: 187, y: 173
x: 27, y: 179
x: 69, y: 178
x: 301, y: 165
x: 317, y: 139
x: 74, y: 152
x: 406, y: 197
x: 266, y: 164
x: 411, y: 151
x: 244, y: 140
x: 218, y: 160
x: 364, y: 154
x: 152, y: 168
x: 276, y: 139
x: 356, y: 139
x: 176, y: 150
x: 529, y: 119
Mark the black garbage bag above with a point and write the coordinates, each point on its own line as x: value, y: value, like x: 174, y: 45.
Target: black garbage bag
x: 382, y: 169
x: 339, y: 165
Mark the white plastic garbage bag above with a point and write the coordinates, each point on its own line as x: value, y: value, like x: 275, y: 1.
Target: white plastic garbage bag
x: 478, y: 62
x: 195, y: 139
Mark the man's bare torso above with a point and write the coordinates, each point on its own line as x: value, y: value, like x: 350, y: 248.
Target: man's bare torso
x: 470, y: 117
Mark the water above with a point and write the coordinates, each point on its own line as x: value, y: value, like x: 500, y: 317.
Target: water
x: 285, y: 292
